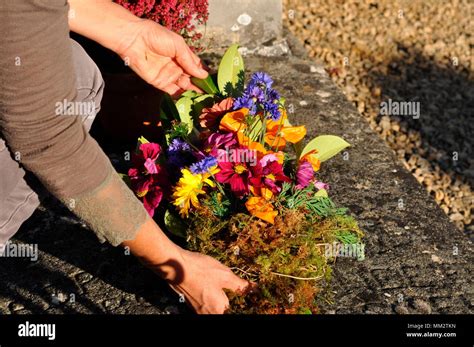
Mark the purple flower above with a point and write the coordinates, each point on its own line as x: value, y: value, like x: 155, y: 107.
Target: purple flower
x: 178, y: 145
x: 203, y: 166
x: 179, y: 153
x: 219, y: 141
x: 273, y: 110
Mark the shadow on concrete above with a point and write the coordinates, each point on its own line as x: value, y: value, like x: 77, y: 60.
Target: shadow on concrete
x: 446, y: 97
x: 74, y: 262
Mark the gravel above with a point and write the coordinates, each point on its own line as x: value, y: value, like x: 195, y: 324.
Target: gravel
x: 406, y: 51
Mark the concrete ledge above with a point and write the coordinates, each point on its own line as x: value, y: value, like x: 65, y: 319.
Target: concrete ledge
x: 246, y: 22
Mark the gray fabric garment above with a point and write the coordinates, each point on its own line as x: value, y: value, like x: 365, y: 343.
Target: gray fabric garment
x: 18, y: 200
x: 37, y: 74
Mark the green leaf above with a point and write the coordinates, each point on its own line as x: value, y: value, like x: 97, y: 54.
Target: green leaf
x: 257, y: 128
x: 169, y: 108
x: 142, y: 140
x: 184, y: 107
x: 230, y: 77
x: 174, y: 224
x: 190, y: 94
x: 326, y: 145
x: 206, y: 84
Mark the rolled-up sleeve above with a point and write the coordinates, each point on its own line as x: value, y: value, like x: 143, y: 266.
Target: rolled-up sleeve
x: 37, y: 75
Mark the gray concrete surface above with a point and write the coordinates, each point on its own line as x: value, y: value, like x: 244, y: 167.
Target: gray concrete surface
x: 247, y: 22
x: 416, y: 260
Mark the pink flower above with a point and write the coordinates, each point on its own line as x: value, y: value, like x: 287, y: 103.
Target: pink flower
x: 211, y: 116
x: 304, y: 175
x: 219, y: 141
x: 146, y: 158
x: 320, y: 185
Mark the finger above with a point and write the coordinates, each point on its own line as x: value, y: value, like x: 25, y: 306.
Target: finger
x: 168, y: 75
x: 184, y: 82
x: 198, y: 60
x: 173, y: 90
x: 185, y: 58
x: 222, y: 305
x: 235, y: 283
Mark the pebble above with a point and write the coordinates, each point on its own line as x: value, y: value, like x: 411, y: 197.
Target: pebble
x: 422, y: 306
x: 427, y: 54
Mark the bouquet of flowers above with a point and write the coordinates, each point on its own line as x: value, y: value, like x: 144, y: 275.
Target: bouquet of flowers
x: 234, y: 180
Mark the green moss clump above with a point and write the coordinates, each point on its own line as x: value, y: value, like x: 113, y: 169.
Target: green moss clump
x: 287, y: 260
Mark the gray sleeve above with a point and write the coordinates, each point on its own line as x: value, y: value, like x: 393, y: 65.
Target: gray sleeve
x: 36, y: 73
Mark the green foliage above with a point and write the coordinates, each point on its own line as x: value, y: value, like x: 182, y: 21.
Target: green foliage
x: 174, y: 224
x: 346, y: 237
x: 178, y: 130
x: 184, y: 107
x: 231, y: 72
x: 327, y: 146
x: 218, y: 204
x: 206, y: 84
x: 307, y: 199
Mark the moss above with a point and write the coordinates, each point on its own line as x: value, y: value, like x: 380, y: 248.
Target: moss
x: 286, y: 260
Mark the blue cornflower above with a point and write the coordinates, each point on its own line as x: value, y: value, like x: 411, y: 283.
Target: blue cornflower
x: 261, y: 79
x: 178, y: 145
x: 203, y: 166
x: 179, y: 153
x: 273, y: 110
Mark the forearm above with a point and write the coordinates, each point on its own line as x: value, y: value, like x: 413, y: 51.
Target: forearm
x: 103, y: 21
x: 155, y: 250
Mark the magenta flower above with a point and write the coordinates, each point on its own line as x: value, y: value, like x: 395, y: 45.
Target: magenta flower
x: 268, y: 173
x: 146, y: 158
x: 218, y: 141
x: 147, y: 188
x: 236, y: 174
x: 304, y: 175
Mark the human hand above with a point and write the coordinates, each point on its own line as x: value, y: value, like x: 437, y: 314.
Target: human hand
x: 203, y: 281
x: 199, y: 278
x: 160, y: 57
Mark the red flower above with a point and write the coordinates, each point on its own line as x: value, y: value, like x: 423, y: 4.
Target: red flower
x: 236, y: 174
x: 148, y: 180
x: 268, y: 173
x: 148, y: 188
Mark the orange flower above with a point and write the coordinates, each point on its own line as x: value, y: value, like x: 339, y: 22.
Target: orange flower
x: 280, y: 132
x: 234, y: 121
x: 265, y: 193
x: 261, y: 208
x: 252, y: 145
x: 311, y: 158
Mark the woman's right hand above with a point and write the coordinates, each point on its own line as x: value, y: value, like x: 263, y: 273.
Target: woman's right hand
x: 199, y: 278
x: 204, y: 279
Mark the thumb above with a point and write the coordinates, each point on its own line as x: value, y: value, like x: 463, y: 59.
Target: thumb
x: 187, y: 61
x: 235, y: 283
